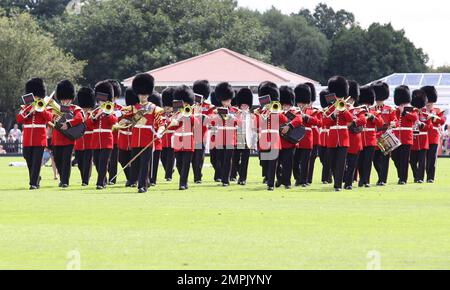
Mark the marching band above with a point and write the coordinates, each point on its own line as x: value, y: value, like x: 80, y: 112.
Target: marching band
x: 353, y: 130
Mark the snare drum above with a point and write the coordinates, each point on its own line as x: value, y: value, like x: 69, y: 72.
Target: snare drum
x: 388, y: 142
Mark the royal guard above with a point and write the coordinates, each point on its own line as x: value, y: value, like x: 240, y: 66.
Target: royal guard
x: 83, y: 146
x: 183, y: 123
x: 355, y: 131
x: 388, y: 113
x: 102, y: 122
x: 113, y: 161
x: 62, y: 145
x: 407, y: 118
x: 155, y: 99
x: 316, y: 113
x: 143, y: 133
x: 303, y: 151
x: 167, y: 153
x: 420, y: 146
x: 323, y: 139
x: 124, y: 137
x: 434, y: 133
x: 202, y: 109
x: 34, y: 121
x: 269, y: 120
x: 212, y: 138
x: 369, y: 135
x: 338, y: 118
x: 245, y: 133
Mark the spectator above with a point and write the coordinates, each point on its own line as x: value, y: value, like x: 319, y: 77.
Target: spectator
x: 2, y: 133
x: 16, y: 133
x: 2, y: 151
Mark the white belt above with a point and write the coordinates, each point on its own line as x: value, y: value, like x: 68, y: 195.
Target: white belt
x: 102, y: 131
x: 403, y: 129
x: 369, y: 130
x: 35, y: 126
x: 183, y: 134
x: 308, y: 129
x: 226, y: 128
x: 324, y: 130
x: 437, y: 128
x: 338, y: 127
x: 125, y: 133
x: 143, y: 126
x: 88, y: 132
x: 315, y: 127
x: 270, y: 131
x: 421, y: 134
x: 170, y: 131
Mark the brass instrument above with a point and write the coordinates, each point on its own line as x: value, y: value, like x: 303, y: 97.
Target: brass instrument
x: 431, y: 116
x: 339, y: 105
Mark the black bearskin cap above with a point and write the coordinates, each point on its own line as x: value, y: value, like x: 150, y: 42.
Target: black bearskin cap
x: 402, y: 95
x: 367, y: 95
x: 323, y: 100
x: 116, y: 87
x: 36, y: 86
x: 269, y: 88
x: 354, y: 90
x: 313, y: 91
x: 86, y: 98
x: 167, y: 97
x: 155, y: 98
x: 185, y: 94
x: 143, y: 84
x: 203, y: 88
x: 431, y: 92
x: 105, y: 87
x: 287, y: 95
x: 381, y: 91
x: 65, y: 90
x: 419, y: 99
x: 131, y: 98
x: 224, y: 92
x: 303, y: 94
x: 338, y: 85
x: 245, y: 96
x: 214, y: 101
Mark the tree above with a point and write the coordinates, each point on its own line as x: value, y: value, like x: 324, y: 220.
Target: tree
x: 42, y: 9
x: 27, y: 51
x: 440, y: 69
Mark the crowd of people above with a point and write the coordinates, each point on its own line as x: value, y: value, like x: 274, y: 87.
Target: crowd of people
x: 10, y: 143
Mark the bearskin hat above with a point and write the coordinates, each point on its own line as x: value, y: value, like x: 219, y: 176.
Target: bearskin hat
x: 105, y: 87
x: 86, y: 98
x: 167, y: 97
x: 65, y: 90
x: 367, y: 95
x: 36, y: 86
x: 224, y: 92
x: 381, y: 91
x: 402, y: 95
x: 354, y: 90
x: 303, y: 94
x: 419, y: 99
x: 155, y: 98
x: 269, y: 88
x: 245, y: 96
x: 203, y: 88
x: 131, y: 98
x: 143, y: 84
x: 116, y: 87
x: 185, y: 94
x: 338, y: 85
x: 234, y: 101
x: 323, y: 100
x: 431, y: 92
x: 287, y: 95
x: 214, y: 101
x: 313, y: 91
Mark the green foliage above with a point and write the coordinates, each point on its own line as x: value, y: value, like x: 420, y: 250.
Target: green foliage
x: 440, y: 69
x: 43, y: 9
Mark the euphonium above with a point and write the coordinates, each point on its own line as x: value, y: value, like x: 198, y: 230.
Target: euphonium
x: 186, y: 111
x: 108, y: 108
x: 275, y: 107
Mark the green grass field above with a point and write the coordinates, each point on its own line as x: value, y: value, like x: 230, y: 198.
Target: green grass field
x: 210, y: 227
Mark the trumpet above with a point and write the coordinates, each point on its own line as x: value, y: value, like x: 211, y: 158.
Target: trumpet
x: 107, y: 108
x: 339, y: 105
x: 431, y: 116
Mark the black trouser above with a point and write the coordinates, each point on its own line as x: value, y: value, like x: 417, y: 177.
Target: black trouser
x: 153, y: 174
x: 326, y: 165
x: 198, y: 159
x: 365, y: 165
x: 418, y: 162
x: 141, y: 166
x: 183, y: 165
x: 124, y: 159
x: 224, y: 157
x: 401, y: 159
x: 112, y: 167
x: 84, y: 161
x: 270, y: 169
x: 240, y: 164
x: 284, y: 168
x: 33, y: 157
x: 301, y: 165
x: 350, y: 169
x: 101, y: 162
x: 63, y: 161
x: 431, y: 161
x: 168, y: 161
x: 215, y: 162
x: 312, y: 163
x: 337, y: 158
x: 381, y: 164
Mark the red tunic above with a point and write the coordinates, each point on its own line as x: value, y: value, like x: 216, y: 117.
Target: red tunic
x: 167, y: 138
x: 308, y: 141
x: 434, y: 133
x: 225, y: 137
x: 389, y: 115
x: 183, y: 136
x: 356, y: 144
x: 421, y: 136
x: 58, y: 139
x: 338, y: 136
x: 102, y: 136
x: 404, y: 128
x: 117, y: 107
x: 369, y: 135
x: 34, y: 127
x: 316, y: 128
x: 85, y: 142
x: 143, y: 132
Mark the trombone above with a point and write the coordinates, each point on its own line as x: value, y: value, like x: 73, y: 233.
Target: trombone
x: 339, y: 105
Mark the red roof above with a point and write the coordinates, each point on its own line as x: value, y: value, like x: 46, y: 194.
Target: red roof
x: 223, y: 65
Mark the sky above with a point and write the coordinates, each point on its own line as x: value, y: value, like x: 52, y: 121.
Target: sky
x: 426, y: 23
